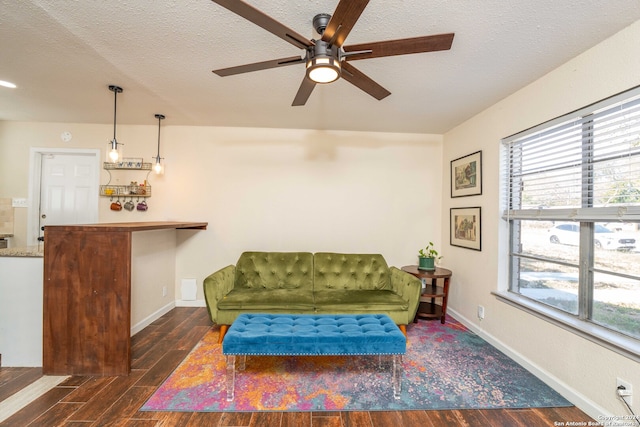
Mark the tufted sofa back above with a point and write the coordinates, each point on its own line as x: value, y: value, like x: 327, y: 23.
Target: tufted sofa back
x: 274, y: 270
x: 334, y: 271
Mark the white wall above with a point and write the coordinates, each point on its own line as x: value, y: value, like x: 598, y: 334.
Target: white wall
x: 21, y: 300
x: 262, y: 189
x: 153, y: 271
x: 585, y: 371
x: 297, y: 190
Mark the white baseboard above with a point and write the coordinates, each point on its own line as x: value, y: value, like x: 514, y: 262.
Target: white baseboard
x: 152, y: 318
x: 194, y: 303
x: 578, y: 399
x: 164, y: 310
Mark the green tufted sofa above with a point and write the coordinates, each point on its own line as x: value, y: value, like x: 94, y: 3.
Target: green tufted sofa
x: 306, y: 283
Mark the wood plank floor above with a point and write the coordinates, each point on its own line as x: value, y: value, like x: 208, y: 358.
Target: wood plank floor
x: 156, y: 352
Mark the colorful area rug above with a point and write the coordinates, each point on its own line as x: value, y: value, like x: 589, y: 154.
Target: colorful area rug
x: 446, y: 367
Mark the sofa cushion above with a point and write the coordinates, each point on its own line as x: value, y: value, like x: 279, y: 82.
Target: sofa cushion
x: 274, y: 270
x: 276, y: 299
x: 335, y: 271
x: 358, y: 301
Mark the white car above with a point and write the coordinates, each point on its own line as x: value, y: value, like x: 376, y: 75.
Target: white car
x: 569, y: 234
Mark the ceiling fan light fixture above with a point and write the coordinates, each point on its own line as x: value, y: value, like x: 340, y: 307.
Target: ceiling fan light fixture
x: 323, y: 69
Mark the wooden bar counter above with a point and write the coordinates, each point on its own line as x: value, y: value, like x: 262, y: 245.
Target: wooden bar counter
x: 87, y: 296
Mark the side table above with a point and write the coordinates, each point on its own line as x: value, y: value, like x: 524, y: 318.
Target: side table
x: 428, y: 309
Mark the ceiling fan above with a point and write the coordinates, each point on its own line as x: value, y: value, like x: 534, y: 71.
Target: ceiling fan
x: 328, y: 59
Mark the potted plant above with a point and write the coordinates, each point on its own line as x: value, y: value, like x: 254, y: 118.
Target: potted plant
x: 427, y: 258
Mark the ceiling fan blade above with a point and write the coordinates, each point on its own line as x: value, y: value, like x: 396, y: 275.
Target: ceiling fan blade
x: 359, y: 79
x: 342, y: 21
x: 400, y: 46
x: 252, y: 14
x: 223, y: 72
x: 304, y: 92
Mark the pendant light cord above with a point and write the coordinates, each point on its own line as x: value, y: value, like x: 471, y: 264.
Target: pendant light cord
x: 159, y: 117
x: 115, y: 90
x: 115, y: 110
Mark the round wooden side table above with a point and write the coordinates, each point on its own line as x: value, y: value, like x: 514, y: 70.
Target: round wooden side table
x: 428, y: 309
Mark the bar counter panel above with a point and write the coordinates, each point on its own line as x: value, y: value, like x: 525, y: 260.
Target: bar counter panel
x: 87, y: 296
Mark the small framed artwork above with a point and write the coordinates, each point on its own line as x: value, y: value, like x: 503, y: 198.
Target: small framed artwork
x: 466, y: 175
x: 465, y: 228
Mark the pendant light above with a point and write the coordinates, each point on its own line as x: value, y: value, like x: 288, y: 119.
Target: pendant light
x: 115, y: 153
x: 158, y: 166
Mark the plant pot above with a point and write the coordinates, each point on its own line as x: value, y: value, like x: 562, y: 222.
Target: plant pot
x: 426, y: 263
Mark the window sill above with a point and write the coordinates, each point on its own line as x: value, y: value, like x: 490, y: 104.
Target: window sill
x: 611, y: 340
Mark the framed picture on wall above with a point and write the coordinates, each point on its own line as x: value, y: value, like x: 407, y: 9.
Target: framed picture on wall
x: 465, y: 228
x: 466, y: 175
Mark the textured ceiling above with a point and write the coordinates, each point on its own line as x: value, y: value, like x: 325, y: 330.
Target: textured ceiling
x: 64, y: 54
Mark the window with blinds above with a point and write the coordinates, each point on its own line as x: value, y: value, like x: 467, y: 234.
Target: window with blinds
x: 587, y: 166
x: 572, y: 202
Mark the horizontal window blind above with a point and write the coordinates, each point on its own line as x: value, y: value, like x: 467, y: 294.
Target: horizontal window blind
x: 582, y: 166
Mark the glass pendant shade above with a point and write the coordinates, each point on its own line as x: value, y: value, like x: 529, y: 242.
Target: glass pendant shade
x: 114, y: 155
x: 158, y: 168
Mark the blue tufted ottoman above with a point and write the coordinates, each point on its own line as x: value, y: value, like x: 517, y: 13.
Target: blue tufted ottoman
x: 313, y: 335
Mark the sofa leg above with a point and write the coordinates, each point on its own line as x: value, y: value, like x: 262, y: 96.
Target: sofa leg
x: 403, y: 328
x: 223, y: 331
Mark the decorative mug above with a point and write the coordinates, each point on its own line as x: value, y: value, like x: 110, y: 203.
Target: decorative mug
x: 129, y: 206
x: 142, y: 206
x: 116, y: 206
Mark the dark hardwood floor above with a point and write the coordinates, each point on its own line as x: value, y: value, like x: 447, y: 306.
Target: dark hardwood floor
x: 159, y: 348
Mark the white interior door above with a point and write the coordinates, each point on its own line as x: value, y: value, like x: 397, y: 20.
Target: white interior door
x: 68, y: 189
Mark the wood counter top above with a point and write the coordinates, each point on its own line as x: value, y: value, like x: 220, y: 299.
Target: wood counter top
x: 130, y: 226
